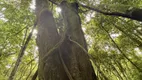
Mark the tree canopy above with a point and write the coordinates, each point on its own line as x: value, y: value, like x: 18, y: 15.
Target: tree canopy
x: 113, y: 35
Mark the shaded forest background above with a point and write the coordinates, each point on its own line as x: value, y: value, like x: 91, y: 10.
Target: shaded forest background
x: 114, y: 40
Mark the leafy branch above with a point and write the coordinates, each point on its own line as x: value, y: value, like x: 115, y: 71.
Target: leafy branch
x: 22, y: 53
x: 129, y: 15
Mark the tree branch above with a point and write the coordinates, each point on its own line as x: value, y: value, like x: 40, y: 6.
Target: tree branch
x: 11, y: 77
x: 35, y: 75
x: 110, y: 13
x: 105, y: 13
x: 54, y: 2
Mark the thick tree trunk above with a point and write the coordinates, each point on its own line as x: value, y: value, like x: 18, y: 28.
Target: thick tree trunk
x: 68, y: 61
x: 75, y: 57
x: 50, y: 68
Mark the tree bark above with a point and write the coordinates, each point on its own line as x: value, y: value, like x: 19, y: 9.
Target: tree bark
x: 47, y: 37
x: 68, y: 61
x: 76, y: 59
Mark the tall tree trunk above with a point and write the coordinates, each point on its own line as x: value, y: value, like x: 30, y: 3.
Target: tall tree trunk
x: 50, y: 68
x: 68, y: 61
x: 76, y: 58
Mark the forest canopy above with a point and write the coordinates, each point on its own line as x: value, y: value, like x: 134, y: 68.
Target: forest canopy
x: 112, y: 29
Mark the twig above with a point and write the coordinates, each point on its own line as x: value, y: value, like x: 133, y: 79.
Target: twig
x: 32, y: 60
x: 35, y: 75
x: 31, y: 71
x: 54, y: 2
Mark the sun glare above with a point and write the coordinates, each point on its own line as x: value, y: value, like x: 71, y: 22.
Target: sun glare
x: 58, y: 9
x: 32, y: 5
x: 138, y: 51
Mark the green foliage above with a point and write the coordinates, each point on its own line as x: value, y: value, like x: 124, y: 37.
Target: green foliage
x: 15, y: 25
x: 113, y: 42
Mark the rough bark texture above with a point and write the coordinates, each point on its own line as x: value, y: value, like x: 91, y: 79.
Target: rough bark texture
x: 68, y: 59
